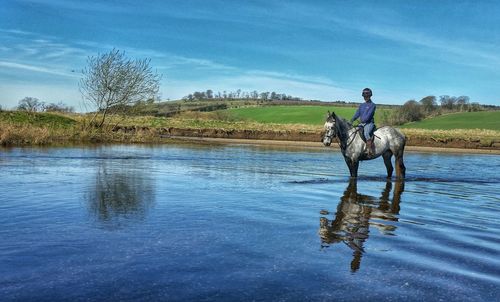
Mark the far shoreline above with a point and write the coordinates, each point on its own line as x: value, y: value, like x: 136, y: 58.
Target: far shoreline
x: 319, y: 145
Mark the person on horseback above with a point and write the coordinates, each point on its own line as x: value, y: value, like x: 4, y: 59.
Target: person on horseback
x: 366, y: 113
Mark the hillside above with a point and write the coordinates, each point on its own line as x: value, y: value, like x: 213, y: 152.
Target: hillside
x: 309, y: 115
x: 463, y: 120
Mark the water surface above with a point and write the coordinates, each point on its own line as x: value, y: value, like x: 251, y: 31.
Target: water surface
x: 227, y: 223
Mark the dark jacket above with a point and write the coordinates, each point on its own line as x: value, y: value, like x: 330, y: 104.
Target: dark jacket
x: 365, y: 112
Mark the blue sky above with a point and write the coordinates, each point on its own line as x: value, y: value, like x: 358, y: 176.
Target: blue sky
x: 326, y: 50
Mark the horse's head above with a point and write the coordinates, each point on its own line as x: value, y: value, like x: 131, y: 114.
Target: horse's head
x: 329, y: 129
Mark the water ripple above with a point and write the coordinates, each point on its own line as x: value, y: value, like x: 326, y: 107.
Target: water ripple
x: 208, y: 222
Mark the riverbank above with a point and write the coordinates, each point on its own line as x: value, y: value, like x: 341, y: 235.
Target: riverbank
x: 462, y: 139
x: 17, y: 129
x: 314, y: 145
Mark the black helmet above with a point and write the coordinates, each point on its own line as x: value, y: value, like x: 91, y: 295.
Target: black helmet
x: 368, y: 91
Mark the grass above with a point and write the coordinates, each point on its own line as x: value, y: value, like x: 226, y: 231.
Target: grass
x: 465, y: 134
x: 22, y: 128
x: 52, y: 120
x: 463, y: 120
x: 309, y: 115
x: 209, y: 120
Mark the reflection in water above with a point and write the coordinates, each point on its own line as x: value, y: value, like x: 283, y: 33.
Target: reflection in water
x: 356, y: 213
x: 120, y: 194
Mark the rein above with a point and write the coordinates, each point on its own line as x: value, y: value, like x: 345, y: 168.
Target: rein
x: 349, y: 139
x: 353, y: 135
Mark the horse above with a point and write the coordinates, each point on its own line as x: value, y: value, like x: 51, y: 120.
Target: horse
x: 387, y: 142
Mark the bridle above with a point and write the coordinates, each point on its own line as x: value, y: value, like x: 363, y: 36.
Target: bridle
x: 331, y: 134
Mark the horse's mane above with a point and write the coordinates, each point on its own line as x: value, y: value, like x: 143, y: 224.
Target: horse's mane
x: 342, y: 125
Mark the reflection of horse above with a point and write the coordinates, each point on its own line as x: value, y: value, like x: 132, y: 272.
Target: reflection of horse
x: 387, y: 142
x: 353, y: 218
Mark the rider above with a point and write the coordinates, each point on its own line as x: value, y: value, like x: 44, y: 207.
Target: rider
x: 365, y: 113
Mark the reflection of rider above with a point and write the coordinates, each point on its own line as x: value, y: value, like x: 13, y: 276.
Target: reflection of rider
x: 366, y: 113
x: 352, y: 219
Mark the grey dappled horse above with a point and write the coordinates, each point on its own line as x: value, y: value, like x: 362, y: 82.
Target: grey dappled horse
x: 387, y: 142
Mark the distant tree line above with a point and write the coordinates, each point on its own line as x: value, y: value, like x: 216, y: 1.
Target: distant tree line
x: 238, y: 95
x: 31, y: 104
x: 429, y: 106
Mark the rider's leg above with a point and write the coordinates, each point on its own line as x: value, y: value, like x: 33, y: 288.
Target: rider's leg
x: 368, y: 128
x: 369, y: 140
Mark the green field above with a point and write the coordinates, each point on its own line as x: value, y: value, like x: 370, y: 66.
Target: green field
x: 315, y: 115
x: 309, y: 115
x: 464, y: 120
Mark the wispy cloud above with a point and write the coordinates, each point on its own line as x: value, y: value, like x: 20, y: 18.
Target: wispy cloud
x: 32, y: 46
x: 390, y: 25
x: 102, y: 7
x: 464, y: 52
x: 15, y: 31
x: 317, y: 80
x: 35, y: 68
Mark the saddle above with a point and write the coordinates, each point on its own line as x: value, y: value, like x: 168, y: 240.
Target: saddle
x: 362, y: 132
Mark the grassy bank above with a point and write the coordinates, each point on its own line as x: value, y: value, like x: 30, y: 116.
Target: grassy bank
x: 20, y: 128
x: 23, y: 129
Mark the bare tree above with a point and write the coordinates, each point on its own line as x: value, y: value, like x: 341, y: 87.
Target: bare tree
x: 264, y: 96
x: 463, y: 103
x: 59, y: 107
x: 199, y: 95
x: 112, y: 83
x: 411, y: 111
x: 30, y: 104
x: 429, y: 104
x: 475, y: 106
x: 447, y: 102
x: 210, y: 94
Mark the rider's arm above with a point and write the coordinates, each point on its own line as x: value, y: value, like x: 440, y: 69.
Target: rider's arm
x: 355, y: 116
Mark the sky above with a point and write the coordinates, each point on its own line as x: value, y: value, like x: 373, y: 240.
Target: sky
x: 323, y: 50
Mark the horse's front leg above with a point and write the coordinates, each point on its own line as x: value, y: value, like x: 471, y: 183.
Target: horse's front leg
x: 353, y: 166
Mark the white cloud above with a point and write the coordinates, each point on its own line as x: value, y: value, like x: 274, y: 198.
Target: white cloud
x: 466, y: 52
x: 35, y: 68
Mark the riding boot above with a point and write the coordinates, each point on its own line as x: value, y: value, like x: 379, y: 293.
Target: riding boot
x: 369, y: 147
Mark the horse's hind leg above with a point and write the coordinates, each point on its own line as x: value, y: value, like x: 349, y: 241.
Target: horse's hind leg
x: 387, y: 155
x: 400, y: 167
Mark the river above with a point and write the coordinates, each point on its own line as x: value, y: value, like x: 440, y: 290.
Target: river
x: 180, y: 222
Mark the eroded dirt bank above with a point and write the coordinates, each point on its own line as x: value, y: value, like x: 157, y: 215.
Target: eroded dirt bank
x: 307, y: 136
x: 316, y: 137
